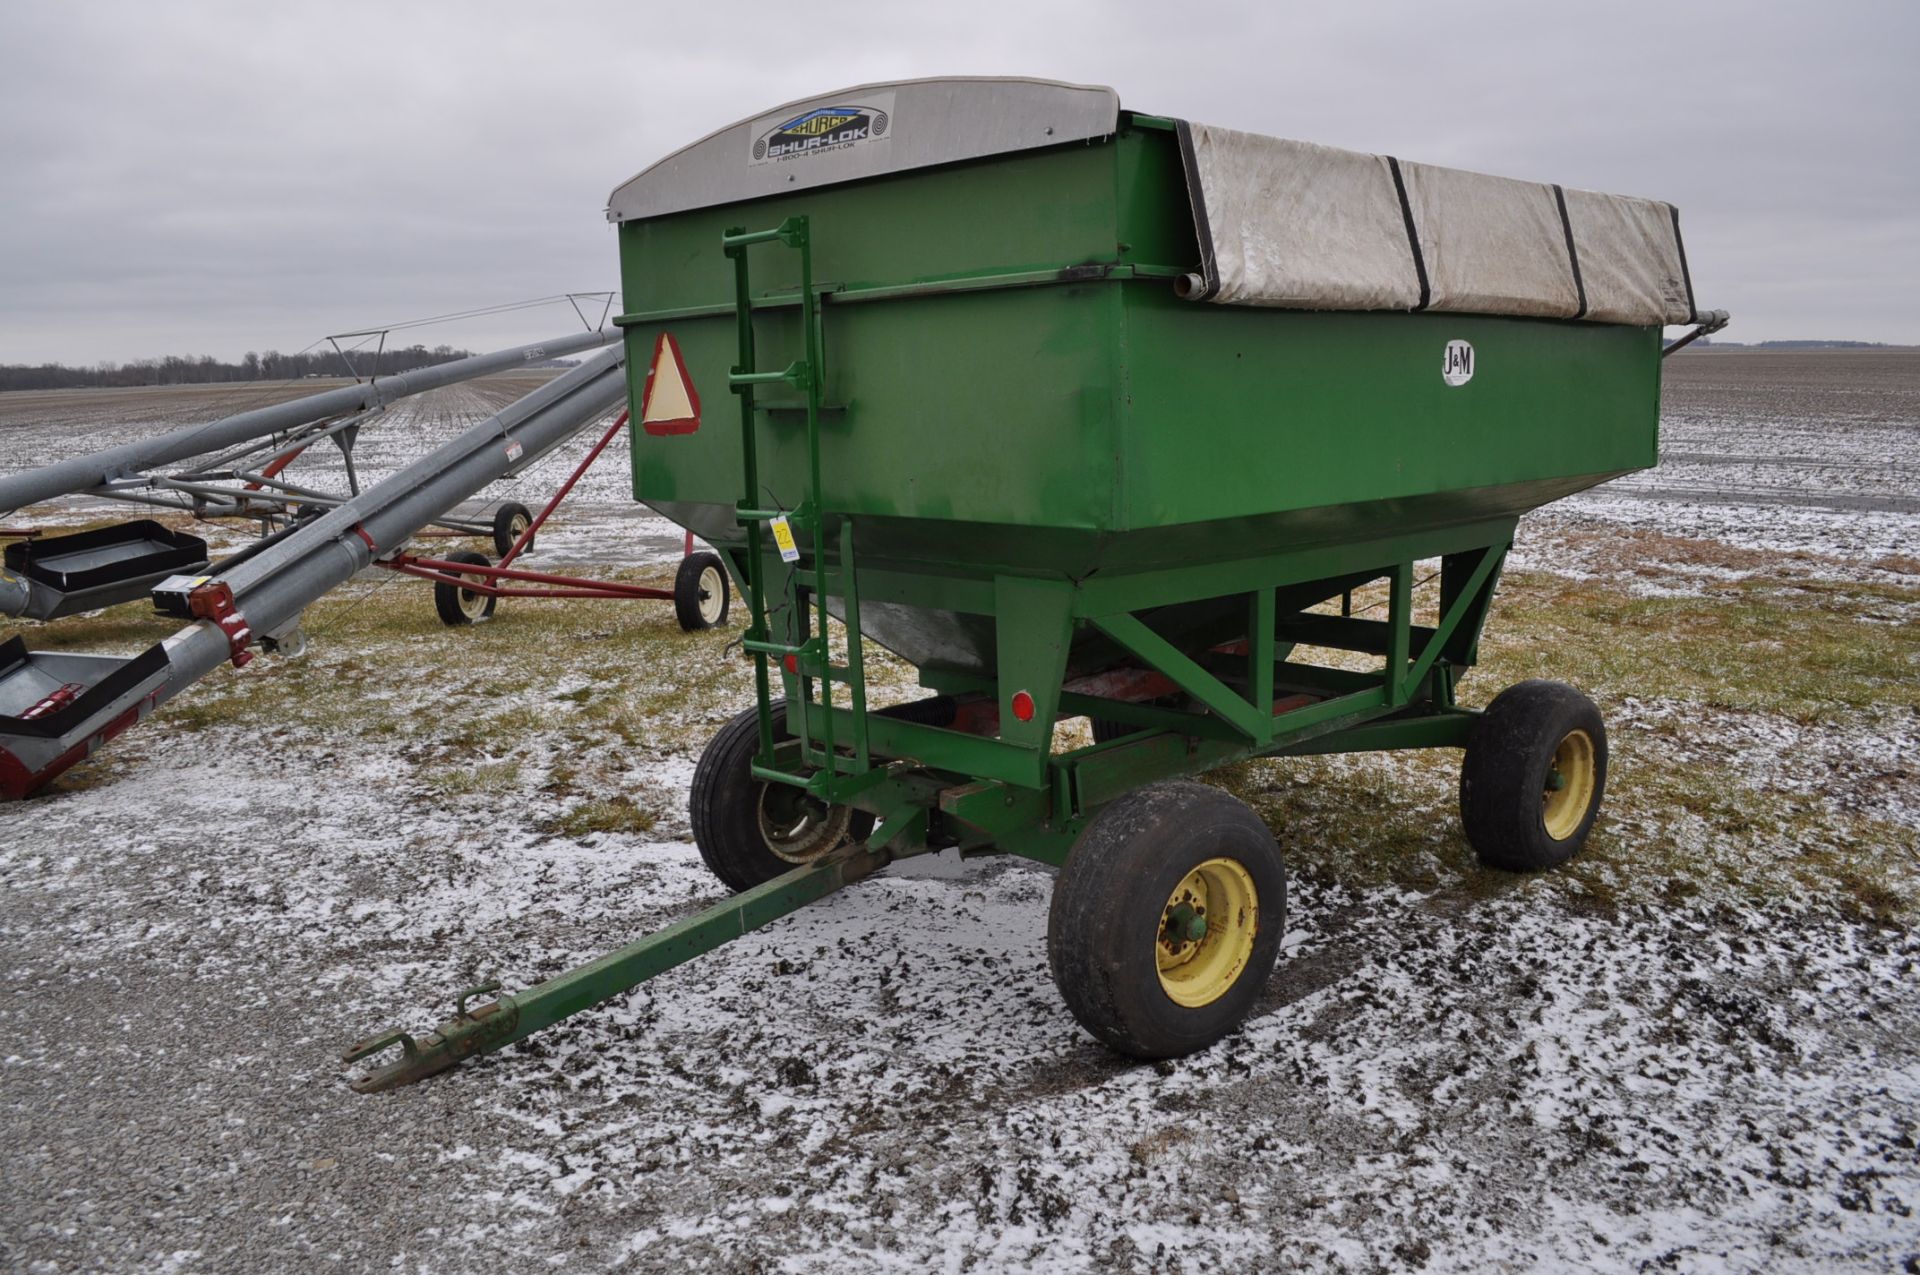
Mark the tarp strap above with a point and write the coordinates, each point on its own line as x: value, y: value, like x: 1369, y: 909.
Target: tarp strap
x: 1573, y: 253
x: 1686, y: 276
x: 1413, y: 234
x: 1196, y: 196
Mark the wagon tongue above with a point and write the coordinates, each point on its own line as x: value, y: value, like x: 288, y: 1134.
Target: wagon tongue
x: 461, y: 1036
x: 506, y: 1019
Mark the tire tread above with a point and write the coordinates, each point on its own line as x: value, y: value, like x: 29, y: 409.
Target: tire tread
x: 1502, y: 774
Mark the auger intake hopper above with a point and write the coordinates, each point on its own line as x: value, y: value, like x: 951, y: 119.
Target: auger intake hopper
x: 86, y: 570
x: 56, y: 707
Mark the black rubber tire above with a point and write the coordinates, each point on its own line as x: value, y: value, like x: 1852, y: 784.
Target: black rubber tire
x: 1504, y: 776
x: 725, y: 804
x: 1105, y: 730
x: 448, y: 599
x: 510, y: 522
x: 694, y: 590
x: 1109, y: 900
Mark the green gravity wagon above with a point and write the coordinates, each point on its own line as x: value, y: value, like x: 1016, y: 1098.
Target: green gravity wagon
x: 1091, y: 414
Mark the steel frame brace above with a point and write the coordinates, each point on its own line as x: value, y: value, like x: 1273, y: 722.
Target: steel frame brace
x: 1254, y: 696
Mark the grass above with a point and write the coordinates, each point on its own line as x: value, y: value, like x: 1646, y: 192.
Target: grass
x: 1804, y: 653
x: 1693, y: 806
x: 457, y: 781
x: 614, y: 814
x: 568, y: 702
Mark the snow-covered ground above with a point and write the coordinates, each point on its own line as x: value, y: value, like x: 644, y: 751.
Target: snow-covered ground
x: 1452, y: 1070
x: 1434, y: 1080
x: 1809, y: 461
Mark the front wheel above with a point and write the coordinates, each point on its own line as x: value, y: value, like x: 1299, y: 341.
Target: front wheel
x: 700, y: 592
x: 458, y: 606
x: 1167, y: 919
x: 1533, y: 776
x: 510, y: 522
x: 749, y: 831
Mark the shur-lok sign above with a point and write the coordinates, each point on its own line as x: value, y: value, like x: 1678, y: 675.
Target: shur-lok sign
x: 824, y: 128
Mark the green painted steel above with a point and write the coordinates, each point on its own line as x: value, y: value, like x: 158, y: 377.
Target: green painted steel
x: 1048, y: 417
x: 1047, y: 463
x: 507, y: 1019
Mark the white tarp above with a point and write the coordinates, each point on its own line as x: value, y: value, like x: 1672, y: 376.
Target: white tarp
x: 1293, y: 224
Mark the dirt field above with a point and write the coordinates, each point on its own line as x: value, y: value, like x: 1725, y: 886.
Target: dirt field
x: 1695, y: 1048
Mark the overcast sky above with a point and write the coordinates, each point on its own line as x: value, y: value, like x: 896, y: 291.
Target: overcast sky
x: 214, y: 178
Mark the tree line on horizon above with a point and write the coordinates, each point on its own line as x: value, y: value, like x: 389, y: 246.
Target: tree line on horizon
x: 1796, y: 345
x: 179, y: 369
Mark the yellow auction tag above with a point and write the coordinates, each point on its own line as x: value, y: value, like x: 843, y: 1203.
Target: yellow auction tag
x: 783, y: 536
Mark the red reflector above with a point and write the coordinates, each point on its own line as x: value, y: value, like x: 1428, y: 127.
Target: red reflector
x: 791, y: 663
x: 1023, y: 706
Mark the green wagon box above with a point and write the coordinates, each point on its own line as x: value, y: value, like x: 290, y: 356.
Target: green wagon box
x: 1084, y: 412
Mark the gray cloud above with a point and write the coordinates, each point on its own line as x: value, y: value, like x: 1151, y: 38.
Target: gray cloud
x: 220, y: 177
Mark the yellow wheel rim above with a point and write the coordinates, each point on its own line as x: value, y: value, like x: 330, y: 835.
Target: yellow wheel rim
x: 1570, y: 782
x: 1205, y: 937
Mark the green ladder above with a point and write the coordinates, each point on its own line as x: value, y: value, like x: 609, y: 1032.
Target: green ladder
x: 807, y: 654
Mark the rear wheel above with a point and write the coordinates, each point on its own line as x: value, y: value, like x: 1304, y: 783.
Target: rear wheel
x: 510, y: 522
x: 1166, y: 919
x: 749, y: 831
x: 458, y: 606
x: 1533, y: 776
x: 700, y: 593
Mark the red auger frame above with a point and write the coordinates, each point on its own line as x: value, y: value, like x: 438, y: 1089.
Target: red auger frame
x: 467, y: 586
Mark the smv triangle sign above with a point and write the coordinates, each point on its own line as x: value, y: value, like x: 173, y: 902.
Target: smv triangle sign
x: 670, y: 404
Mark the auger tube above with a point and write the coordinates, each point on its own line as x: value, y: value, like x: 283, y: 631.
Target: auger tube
x: 264, y: 596
x: 84, y: 473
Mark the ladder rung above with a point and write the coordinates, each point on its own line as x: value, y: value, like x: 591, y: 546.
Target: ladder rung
x: 842, y: 673
x: 797, y: 373
x: 746, y: 238
x: 812, y: 659
x: 801, y: 515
